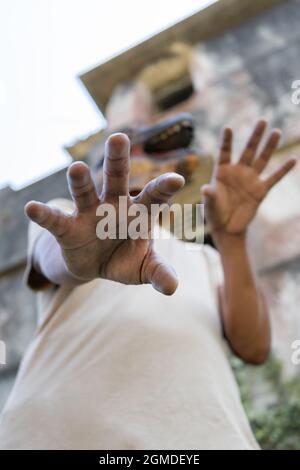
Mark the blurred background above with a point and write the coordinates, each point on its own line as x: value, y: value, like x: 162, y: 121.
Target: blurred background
x: 74, y: 71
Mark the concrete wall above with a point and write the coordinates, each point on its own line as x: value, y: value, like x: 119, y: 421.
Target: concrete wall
x: 17, y: 302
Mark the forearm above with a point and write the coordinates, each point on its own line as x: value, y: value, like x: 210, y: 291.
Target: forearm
x: 244, y: 314
x: 48, y: 262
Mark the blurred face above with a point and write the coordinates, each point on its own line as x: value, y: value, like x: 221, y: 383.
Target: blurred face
x: 159, y: 148
x: 144, y: 168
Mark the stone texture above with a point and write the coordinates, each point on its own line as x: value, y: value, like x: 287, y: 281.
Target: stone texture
x: 17, y: 317
x: 216, y: 19
x: 13, y: 222
x: 282, y: 293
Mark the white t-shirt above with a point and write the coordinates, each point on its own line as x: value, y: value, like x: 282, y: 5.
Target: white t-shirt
x: 124, y: 367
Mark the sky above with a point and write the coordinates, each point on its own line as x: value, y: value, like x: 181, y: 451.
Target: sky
x: 44, y: 46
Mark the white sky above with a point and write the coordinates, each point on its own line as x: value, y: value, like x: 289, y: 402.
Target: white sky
x: 44, y: 45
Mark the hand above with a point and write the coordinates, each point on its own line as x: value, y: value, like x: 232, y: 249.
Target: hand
x: 236, y: 190
x: 86, y: 256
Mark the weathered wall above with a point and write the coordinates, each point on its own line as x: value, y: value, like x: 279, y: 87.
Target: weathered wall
x: 248, y: 72
x: 17, y: 303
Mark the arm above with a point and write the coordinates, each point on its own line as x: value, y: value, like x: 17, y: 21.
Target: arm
x: 243, y: 311
x: 231, y: 201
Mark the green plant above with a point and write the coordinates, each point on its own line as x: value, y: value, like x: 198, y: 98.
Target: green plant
x: 271, y: 403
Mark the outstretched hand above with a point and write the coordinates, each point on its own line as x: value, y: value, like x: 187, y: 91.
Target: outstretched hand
x: 86, y: 256
x: 237, y: 189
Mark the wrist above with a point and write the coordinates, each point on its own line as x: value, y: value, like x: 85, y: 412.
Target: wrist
x: 49, y: 263
x: 229, y: 241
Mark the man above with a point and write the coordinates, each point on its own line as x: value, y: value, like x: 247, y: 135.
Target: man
x: 115, y: 366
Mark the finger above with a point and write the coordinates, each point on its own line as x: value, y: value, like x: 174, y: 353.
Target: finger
x: 162, y: 276
x: 261, y: 162
x: 81, y: 186
x: 208, y: 192
x: 250, y: 150
x: 209, y: 196
x: 48, y: 217
x: 226, y: 146
x: 280, y: 173
x: 160, y: 190
x: 116, y: 166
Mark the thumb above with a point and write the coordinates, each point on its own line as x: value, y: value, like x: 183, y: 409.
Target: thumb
x: 161, y: 275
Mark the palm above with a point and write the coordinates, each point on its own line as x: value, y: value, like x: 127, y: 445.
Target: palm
x: 239, y: 192
x: 88, y: 256
x: 236, y: 190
